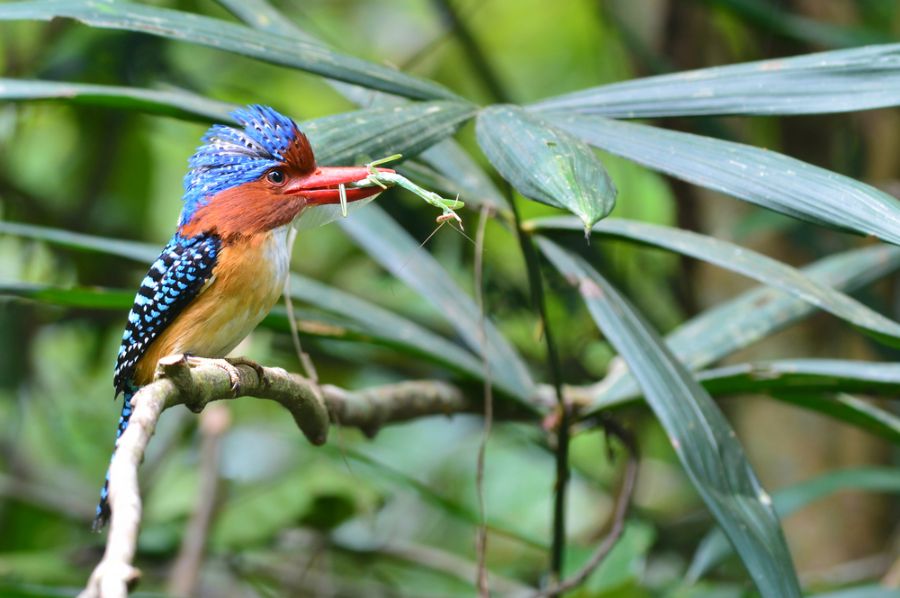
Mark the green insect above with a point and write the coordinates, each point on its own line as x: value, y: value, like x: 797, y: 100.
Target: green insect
x: 389, y: 179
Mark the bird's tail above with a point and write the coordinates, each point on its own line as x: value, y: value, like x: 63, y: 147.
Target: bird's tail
x: 103, y: 512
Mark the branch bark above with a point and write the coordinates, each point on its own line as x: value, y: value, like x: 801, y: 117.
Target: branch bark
x: 195, y: 382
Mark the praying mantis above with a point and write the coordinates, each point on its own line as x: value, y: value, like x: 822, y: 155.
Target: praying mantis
x: 388, y: 179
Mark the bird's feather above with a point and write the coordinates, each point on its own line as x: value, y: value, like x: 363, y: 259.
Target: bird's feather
x: 176, y: 278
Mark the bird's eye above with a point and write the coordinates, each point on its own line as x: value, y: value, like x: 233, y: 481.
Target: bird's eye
x: 276, y: 177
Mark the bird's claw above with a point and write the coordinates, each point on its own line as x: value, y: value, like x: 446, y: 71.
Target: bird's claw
x: 234, y: 375
x: 260, y: 370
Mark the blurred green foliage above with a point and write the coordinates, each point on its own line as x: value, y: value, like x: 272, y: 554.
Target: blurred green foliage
x: 397, y: 515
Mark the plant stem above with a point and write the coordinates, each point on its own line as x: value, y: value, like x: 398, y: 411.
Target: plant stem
x: 536, y: 285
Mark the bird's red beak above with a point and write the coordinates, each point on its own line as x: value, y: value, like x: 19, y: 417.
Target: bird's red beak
x: 321, y: 186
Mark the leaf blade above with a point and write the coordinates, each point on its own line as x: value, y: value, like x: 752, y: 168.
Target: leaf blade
x: 391, y: 246
x: 369, y: 322
x: 837, y: 81
x: 752, y: 315
x: 714, y: 547
x: 385, y: 324
x: 215, y: 33
x: 176, y: 103
x: 360, y: 135
x: 741, y: 260
x: 545, y: 164
x: 769, y: 179
x: 703, y: 440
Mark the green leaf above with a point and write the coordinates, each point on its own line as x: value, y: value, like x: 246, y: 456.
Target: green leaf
x: 802, y: 382
x: 468, y: 179
x: 386, y: 325
x: 807, y: 383
x: 94, y: 298
x: 362, y: 135
x: 804, y: 375
x: 261, y: 15
x: 744, y: 261
x: 391, y: 246
x: 836, y: 81
x: 545, y: 164
x: 847, y: 409
x: 751, y: 316
x: 472, y: 183
x: 714, y: 547
x: 762, y: 177
x: 360, y: 320
x: 383, y: 471
x: 141, y: 252
x: 175, y: 103
x: 701, y: 436
x: 347, y: 138
x: 222, y: 35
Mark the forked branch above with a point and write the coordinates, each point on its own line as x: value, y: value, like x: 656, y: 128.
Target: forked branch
x: 195, y: 382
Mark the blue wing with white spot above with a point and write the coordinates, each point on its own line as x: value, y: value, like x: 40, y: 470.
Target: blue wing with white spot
x: 174, y: 280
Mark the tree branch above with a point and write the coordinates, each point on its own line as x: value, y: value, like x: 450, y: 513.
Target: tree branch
x: 195, y: 382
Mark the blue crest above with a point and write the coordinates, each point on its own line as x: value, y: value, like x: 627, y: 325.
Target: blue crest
x: 230, y: 157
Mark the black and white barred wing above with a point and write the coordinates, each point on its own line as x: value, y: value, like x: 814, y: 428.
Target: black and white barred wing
x: 177, y: 276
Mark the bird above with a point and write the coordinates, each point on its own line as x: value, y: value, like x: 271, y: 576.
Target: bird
x: 228, y: 261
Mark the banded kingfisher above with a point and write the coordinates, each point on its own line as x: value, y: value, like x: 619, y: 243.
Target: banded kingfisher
x: 227, y: 263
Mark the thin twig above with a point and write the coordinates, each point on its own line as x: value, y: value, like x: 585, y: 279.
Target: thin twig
x: 618, y: 523
x: 306, y: 361
x: 214, y: 422
x: 482, y: 581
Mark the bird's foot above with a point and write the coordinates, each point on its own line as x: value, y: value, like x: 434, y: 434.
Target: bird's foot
x: 260, y: 370
x: 234, y: 374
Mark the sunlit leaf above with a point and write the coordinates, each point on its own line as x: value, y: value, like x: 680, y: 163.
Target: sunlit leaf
x: 744, y: 261
x: 714, y: 547
x: 836, y: 81
x: 545, y: 164
x: 222, y: 35
x: 702, y: 438
x: 391, y: 246
x: 762, y: 177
